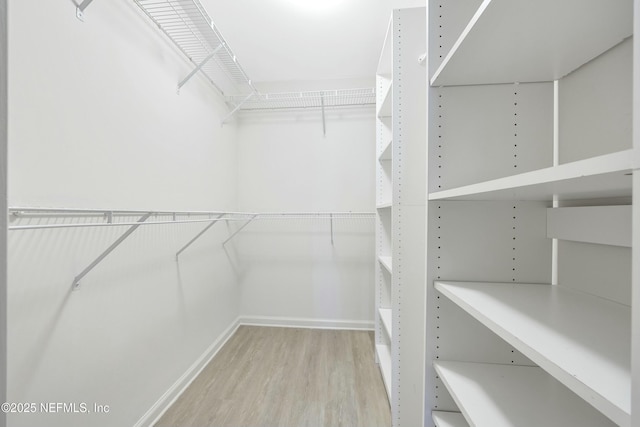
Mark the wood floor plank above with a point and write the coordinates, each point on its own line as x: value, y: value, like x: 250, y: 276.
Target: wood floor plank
x: 286, y: 377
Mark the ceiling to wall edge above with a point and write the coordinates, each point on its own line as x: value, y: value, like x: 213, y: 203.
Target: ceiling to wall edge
x: 189, y: 27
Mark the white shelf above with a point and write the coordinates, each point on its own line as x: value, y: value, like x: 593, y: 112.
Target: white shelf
x: 384, y: 205
x: 385, y: 317
x: 508, y: 395
x: 385, y: 107
x: 387, y: 262
x: 581, y: 340
x: 532, y: 41
x: 386, y: 152
x: 602, y: 176
x: 384, y: 357
x: 449, y: 419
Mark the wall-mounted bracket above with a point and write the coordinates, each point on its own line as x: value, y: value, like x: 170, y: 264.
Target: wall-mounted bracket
x: 240, y: 229
x: 422, y: 58
x: 103, y: 255
x: 199, y: 67
x: 237, y: 107
x: 80, y: 9
x: 331, y: 219
x: 198, y: 235
x: 324, y: 122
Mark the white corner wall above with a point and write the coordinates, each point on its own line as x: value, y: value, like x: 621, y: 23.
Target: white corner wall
x: 95, y: 122
x: 291, y: 273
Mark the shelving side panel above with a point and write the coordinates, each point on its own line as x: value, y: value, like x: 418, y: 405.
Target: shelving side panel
x: 635, y: 321
x: 635, y: 294
x: 600, y: 270
x: 485, y: 242
x: 447, y: 20
x: 480, y: 133
x: 595, y: 106
x: 409, y: 186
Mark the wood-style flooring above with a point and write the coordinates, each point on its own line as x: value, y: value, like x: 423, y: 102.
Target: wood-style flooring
x: 286, y: 377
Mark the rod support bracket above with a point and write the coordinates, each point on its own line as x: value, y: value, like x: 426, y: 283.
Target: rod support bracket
x: 80, y: 9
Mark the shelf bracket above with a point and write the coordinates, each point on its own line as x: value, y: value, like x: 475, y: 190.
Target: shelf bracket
x: 237, y: 107
x: 422, y: 58
x: 240, y: 229
x: 80, y: 9
x: 331, y: 219
x: 103, y: 255
x: 199, y: 66
x: 213, y: 222
x: 324, y: 122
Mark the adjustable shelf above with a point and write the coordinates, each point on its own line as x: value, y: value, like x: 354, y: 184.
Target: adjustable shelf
x: 581, y: 340
x: 385, y: 317
x: 608, y: 175
x: 509, y: 395
x: 384, y: 359
x: 510, y: 41
x: 449, y: 419
x: 386, y: 152
x: 386, y: 262
x: 384, y: 110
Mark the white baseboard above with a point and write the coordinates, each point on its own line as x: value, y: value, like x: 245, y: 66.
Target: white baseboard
x: 301, y: 322
x: 170, y: 396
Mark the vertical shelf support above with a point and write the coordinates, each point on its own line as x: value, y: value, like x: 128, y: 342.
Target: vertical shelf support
x: 80, y: 9
x: 199, y: 66
x: 198, y: 235
x: 103, y: 255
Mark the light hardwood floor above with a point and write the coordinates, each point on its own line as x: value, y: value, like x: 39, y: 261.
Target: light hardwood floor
x: 286, y: 377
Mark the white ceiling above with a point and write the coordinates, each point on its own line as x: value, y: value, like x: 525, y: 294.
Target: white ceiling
x: 310, y: 40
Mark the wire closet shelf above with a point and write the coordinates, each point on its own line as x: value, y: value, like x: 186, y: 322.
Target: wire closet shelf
x: 309, y: 99
x: 187, y: 24
x: 47, y: 218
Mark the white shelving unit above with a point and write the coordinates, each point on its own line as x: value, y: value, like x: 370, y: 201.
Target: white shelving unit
x: 449, y: 419
x: 587, y: 348
x: 383, y: 353
x: 385, y: 318
x: 547, y: 40
x: 491, y: 395
x: 540, y: 324
x: 387, y: 263
x: 400, y: 189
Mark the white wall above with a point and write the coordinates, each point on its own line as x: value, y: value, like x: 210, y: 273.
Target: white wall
x: 95, y: 122
x: 3, y: 207
x: 289, y: 268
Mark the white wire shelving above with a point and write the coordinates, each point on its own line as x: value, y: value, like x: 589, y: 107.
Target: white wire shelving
x: 187, y: 24
x: 56, y: 218
x: 308, y: 99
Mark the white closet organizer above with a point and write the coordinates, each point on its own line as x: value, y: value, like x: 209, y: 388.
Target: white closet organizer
x: 28, y: 218
x: 190, y: 28
x: 400, y: 189
x: 531, y: 157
